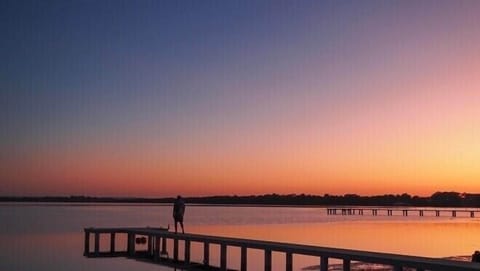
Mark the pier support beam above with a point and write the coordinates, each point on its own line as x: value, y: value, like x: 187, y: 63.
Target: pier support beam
x: 268, y: 260
x: 86, y: 249
x: 164, y: 246
x: 187, y: 251
x: 97, y: 243
x: 175, y: 250
x: 131, y: 244
x: 346, y: 265
x: 156, y: 249
x: 223, y: 257
x: 288, y: 261
x: 243, y: 259
x: 112, y: 242
x: 323, y: 263
x: 206, y: 253
x: 150, y: 245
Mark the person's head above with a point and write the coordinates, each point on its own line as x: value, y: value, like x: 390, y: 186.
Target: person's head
x: 179, y: 197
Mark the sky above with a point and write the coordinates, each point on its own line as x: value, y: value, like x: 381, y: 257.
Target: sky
x: 159, y: 98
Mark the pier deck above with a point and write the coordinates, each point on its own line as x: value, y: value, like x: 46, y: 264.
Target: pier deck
x: 156, y: 240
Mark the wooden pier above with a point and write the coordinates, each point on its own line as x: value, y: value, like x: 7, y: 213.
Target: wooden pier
x: 374, y: 211
x: 156, y: 239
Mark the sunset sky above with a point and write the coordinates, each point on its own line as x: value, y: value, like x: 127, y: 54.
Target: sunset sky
x: 159, y: 98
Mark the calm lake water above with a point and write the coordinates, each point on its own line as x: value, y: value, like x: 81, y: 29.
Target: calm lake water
x: 50, y: 236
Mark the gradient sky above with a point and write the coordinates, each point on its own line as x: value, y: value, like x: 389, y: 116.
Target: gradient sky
x: 158, y: 98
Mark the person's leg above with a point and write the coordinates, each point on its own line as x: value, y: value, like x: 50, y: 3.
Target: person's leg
x: 181, y: 224
x: 176, y: 222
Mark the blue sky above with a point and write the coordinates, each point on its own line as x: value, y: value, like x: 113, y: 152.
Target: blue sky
x: 148, y: 80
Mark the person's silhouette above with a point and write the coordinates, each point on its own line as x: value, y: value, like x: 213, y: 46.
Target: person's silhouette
x: 178, y: 211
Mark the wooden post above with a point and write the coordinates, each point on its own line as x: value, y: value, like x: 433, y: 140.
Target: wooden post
x: 187, y: 251
x: 86, y: 250
x: 472, y: 214
x: 454, y: 213
x: 437, y: 213
x: 150, y: 245
x: 268, y: 260
x: 346, y: 265
x: 223, y: 257
x: 112, y: 242
x: 97, y: 243
x: 175, y: 249
x: 289, y: 261
x: 131, y: 244
x: 243, y: 258
x: 323, y: 263
x: 164, y: 246
x: 156, y: 250
x: 206, y: 253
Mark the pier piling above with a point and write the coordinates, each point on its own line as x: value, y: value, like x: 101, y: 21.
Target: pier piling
x: 243, y: 258
x: 374, y: 211
x: 289, y: 261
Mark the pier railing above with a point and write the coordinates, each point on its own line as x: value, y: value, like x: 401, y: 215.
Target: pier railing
x: 157, y: 244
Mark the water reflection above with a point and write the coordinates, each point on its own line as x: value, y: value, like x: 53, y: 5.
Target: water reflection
x: 51, y: 237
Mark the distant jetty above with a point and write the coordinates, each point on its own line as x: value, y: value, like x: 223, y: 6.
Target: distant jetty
x: 401, y: 211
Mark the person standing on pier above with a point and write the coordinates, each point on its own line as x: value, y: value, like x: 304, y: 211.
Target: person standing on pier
x: 178, y: 211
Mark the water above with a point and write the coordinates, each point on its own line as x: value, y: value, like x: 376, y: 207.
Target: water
x: 50, y: 236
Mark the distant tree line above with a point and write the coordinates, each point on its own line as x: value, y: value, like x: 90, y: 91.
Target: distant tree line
x: 438, y: 199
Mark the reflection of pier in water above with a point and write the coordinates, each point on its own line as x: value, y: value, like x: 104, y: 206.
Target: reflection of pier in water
x: 156, y: 242
x: 375, y: 211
